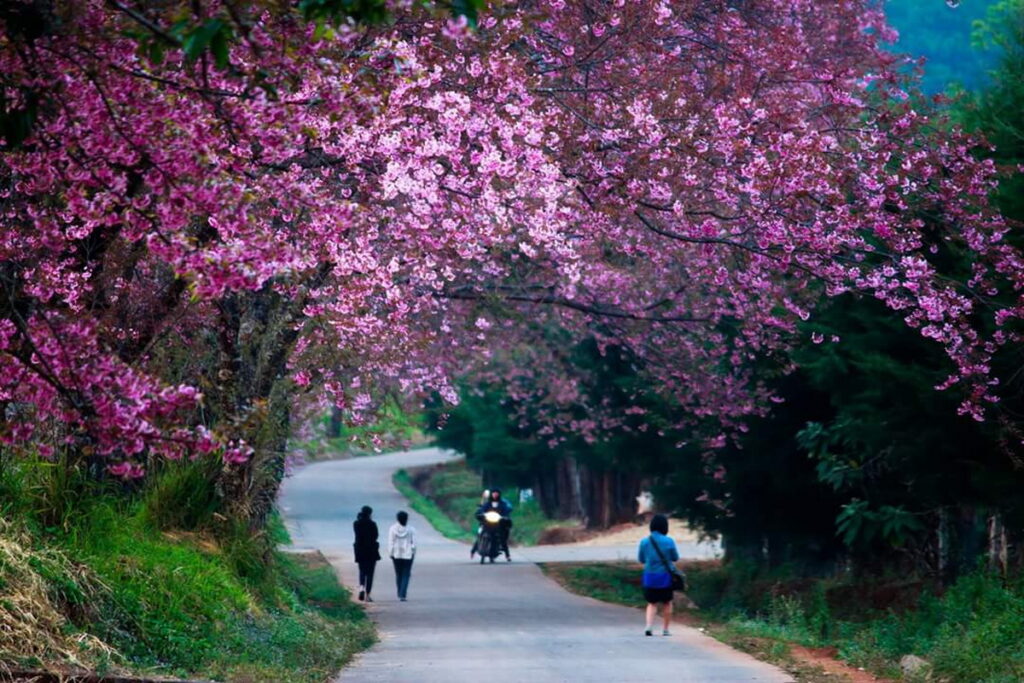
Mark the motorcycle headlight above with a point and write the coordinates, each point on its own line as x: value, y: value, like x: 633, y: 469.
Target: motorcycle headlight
x: 492, y: 517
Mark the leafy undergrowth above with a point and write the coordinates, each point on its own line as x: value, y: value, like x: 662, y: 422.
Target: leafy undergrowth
x: 449, y: 494
x: 972, y: 632
x: 107, y: 591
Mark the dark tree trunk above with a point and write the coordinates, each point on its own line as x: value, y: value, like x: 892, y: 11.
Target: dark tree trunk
x: 334, y: 424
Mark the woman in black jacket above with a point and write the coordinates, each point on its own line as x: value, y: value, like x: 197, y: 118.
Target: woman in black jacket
x: 367, y: 550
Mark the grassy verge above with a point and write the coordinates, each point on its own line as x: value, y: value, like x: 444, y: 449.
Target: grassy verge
x: 448, y: 527
x: 448, y: 496
x: 108, y: 591
x: 969, y: 633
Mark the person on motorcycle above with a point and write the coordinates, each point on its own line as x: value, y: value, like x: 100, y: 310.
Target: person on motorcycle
x: 502, y: 507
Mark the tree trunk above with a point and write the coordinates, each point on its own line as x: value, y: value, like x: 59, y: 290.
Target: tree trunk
x: 334, y: 424
x: 943, y: 564
x: 258, y: 331
x: 997, y: 545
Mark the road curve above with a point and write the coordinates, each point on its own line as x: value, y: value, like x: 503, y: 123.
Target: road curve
x: 501, y: 622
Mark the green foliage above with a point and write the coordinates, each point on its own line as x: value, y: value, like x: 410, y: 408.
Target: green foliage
x: 169, y: 603
x: 942, y: 35
x: 858, y: 524
x: 617, y: 583
x: 18, y: 113
x: 513, y: 445
x: 392, y: 428
x: 179, y: 602
x: 455, y: 489
x: 277, y: 533
x: 998, y: 110
x: 484, y: 428
x: 889, y: 445
x: 182, y: 495
x: 970, y: 633
x: 48, y: 492
x: 429, y: 509
x: 213, y: 35
x: 448, y: 496
x: 335, y: 10
x: 529, y: 519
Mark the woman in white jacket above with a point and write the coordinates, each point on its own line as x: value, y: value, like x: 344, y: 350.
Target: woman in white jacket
x: 402, y: 549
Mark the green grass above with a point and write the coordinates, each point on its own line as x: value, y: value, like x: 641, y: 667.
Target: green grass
x: 179, y: 605
x: 173, y: 602
x: 972, y: 632
x: 448, y: 527
x: 530, y: 520
x: 618, y: 582
x: 449, y: 495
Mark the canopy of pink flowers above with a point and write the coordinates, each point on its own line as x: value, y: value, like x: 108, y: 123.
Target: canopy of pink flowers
x: 683, y: 178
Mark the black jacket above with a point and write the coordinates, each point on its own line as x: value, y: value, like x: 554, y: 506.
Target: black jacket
x: 366, y: 546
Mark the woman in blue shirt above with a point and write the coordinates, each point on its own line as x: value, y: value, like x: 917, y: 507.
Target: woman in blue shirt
x: 657, y: 578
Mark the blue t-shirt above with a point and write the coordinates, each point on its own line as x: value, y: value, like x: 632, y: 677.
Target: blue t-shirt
x: 656, y: 573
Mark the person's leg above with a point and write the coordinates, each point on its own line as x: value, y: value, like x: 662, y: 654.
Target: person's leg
x: 666, y: 616
x: 406, y: 575
x: 398, y: 575
x: 403, y: 578
x: 652, y: 610
x: 371, y: 567
x: 504, y: 537
x: 362, y: 580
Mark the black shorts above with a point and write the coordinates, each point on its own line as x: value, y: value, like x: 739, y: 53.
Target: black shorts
x: 656, y: 595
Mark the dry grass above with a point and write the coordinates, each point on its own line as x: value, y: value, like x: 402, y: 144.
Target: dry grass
x: 39, y: 593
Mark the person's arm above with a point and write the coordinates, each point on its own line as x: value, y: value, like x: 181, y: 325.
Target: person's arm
x: 412, y: 539
x: 376, y: 532
x: 640, y: 552
x: 673, y: 552
x: 391, y: 542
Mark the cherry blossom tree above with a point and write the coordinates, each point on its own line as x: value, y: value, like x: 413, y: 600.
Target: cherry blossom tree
x: 735, y: 160
x: 210, y: 208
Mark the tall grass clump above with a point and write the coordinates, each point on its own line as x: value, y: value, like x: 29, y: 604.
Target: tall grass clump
x: 182, y: 495
x: 106, y: 577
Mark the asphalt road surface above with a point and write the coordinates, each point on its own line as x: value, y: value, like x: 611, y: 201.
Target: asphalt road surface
x: 500, y: 622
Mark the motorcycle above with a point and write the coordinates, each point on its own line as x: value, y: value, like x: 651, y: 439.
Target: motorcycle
x: 489, y: 539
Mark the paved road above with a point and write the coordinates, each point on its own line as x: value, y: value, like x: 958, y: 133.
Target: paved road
x: 501, y: 622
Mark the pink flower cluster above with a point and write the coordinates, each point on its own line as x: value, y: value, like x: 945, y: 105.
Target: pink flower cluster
x: 685, y: 179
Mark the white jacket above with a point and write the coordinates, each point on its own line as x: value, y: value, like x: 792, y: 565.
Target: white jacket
x: 401, y: 541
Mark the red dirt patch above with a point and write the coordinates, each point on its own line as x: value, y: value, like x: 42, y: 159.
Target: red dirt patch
x: 825, y: 659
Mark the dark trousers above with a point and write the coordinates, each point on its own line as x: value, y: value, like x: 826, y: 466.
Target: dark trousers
x: 403, y: 570
x: 366, y: 575
x: 506, y: 528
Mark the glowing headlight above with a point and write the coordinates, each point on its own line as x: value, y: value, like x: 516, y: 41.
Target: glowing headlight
x: 492, y: 517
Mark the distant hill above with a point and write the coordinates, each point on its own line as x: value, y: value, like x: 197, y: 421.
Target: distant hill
x: 942, y: 34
